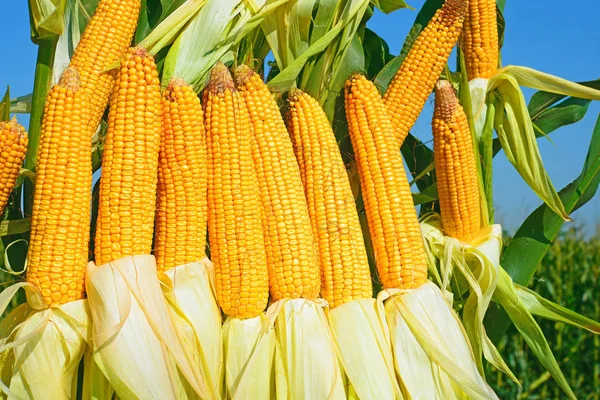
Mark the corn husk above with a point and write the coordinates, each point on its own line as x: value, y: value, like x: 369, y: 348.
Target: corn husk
x: 135, y: 343
x: 478, y: 91
x: 249, y: 355
x: 95, y: 384
x: 41, y: 347
x: 362, y: 338
x: 306, y: 364
x: 191, y: 301
x: 431, y: 351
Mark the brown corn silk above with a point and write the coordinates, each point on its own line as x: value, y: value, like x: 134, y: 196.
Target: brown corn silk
x: 413, y: 83
x: 237, y: 244
x: 60, y: 222
x: 392, y: 218
x: 103, y: 43
x: 125, y: 225
x: 13, y: 147
x: 479, y: 39
x: 291, y: 253
x: 456, y: 170
x: 180, y: 236
x: 345, y: 274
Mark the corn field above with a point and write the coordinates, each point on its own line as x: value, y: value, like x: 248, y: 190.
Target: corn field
x: 223, y: 199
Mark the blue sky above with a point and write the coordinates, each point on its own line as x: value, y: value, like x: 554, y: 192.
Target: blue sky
x: 555, y: 37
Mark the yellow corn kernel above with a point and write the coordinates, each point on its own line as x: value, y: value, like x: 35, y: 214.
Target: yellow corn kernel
x: 480, y: 39
x: 345, y: 274
x: 455, y: 167
x: 291, y: 252
x: 181, y: 209
x: 60, y: 222
x: 13, y: 147
x: 104, y: 41
x: 411, y: 86
x: 392, y: 218
x: 237, y: 244
x: 125, y: 225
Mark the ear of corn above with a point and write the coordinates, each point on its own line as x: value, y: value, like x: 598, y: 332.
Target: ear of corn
x: 456, y: 170
x: 105, y: 40
x: 234, y: 215
x: 480, y: 39
x: 60, y: 225
x: 392, y: 218
x: 181, y: 209
x: 125, y: 224
x: 345, y: 274
x: 411, y: 86
x: 13, y: 146
x: 291, y: 253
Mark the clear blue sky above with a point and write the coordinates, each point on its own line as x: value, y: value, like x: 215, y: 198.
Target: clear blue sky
x: 555, y: 37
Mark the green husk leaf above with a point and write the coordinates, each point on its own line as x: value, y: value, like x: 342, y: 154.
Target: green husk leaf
x: 537, y: 305
x: 46, y: 19
x: 5, y: 106
x: 388, y: 6
x: 150, y: 17
x: 518, y: 140
x: 533, y: 239
x: 506, y: 294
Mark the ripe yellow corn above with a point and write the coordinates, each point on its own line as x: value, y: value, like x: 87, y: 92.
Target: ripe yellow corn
x: 60, y: 224
x: 13, y: 147
x: 127, y: 203
x: 411, y: 86
x: 393, y: 223
x: 456, y: 170
x: 345, y: 274
x: 480, y: 39
x: 105, y: 40
x: 181, y: 209
x: 291, y: 252
x: 237, y: 244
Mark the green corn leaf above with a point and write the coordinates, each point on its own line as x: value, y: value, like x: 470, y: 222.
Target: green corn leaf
x: 533, y: 239
x: 14, y: 226
x: 506, y: 294
x: 5, y: 106
x: 419, y: 158
x: 152, y: 12
x: 377, y: 53
x: 425, y: 196
x: 21, y: 104
x: 388, y: 6
x: 537, y: 305
x: 565, y: 113
x: 542, y: 100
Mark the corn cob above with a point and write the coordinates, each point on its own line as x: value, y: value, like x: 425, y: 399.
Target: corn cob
x: 456, y: 170
x: 411, y: 86
x: 130, y: 162
x: 105, y: 40
x: 345, y: 274
x: 60, y: 225
x: 291, y: 252
x: 393, y: 223
x: 181, y: 208
x: 234, y: 215
x: 13, y: 147
x: 480, y: 39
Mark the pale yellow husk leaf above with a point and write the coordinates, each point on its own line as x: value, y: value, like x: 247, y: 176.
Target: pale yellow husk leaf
x: 41, y: 347
x: 136, y: 345
x: 191, y: 301
x: 431, y: 351
x: 306, y: 364
x: 478, y: 91
x: 469, y: 270
x: 95, y: 384
x: 249, y: 356
x: 362, y: 338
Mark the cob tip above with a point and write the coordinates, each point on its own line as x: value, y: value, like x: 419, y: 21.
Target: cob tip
x: 220, y: 80
x: 452, y: 9
x: 243, y: 74
x: 15, y: 127
x: 170, y: 92
x: 70, y: 79
x: 446, y: 102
